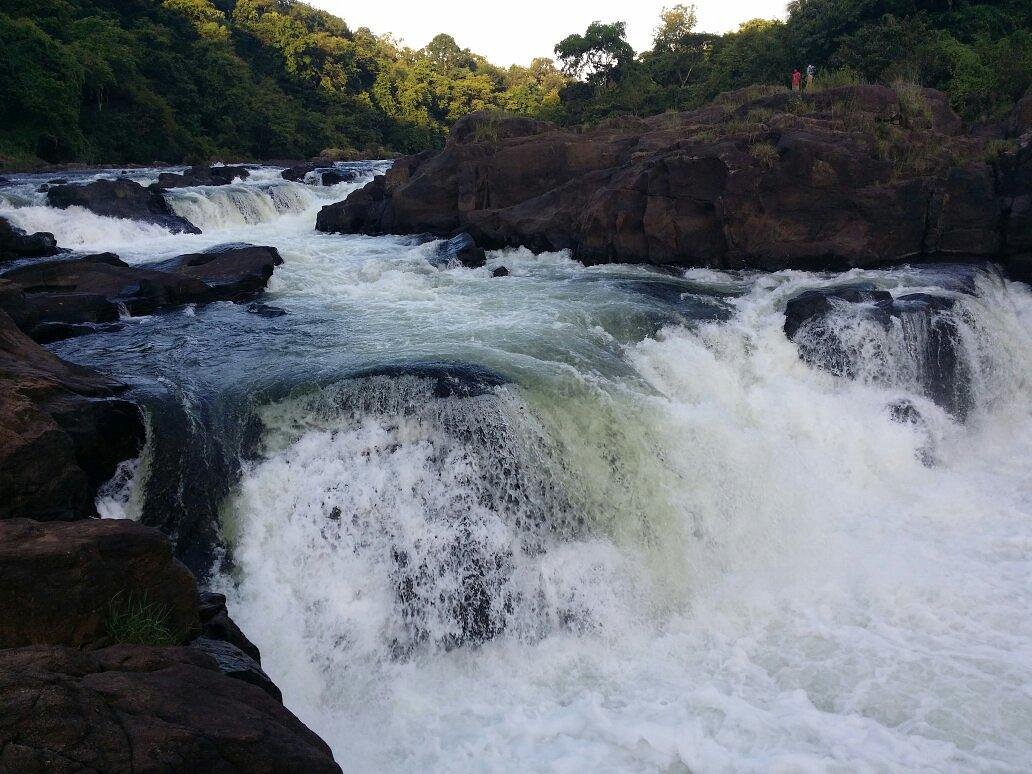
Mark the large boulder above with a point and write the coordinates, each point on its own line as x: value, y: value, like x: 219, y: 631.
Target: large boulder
x: 72, y: 583
x: 63, y: 430
x: 121, y: 198
x: 831, y: 180
x: 15, y: 243
x: 63, y: 298
x: 231, y: 272
x: 195, y: 176
x: 137, y: 708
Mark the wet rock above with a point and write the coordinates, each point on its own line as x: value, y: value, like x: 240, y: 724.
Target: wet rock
x: 231, y: 272
x: 461, y: 249
x: 501, y: 271
x: 79, y: 294
x: 458, y: 380
x: 233, y: 662
x: 264, y: 310
x: 195, y: 176
x: 62, y: 430
x: 718, y: 186
x: 919, y: 327
x: 121, y: 198
x: 217, y: 625
x: 49, y: 332
x: 337, y: 176
x: 136, y: 708
x: 297, y: 173
x: 60, y: 582
x: 15, y: 243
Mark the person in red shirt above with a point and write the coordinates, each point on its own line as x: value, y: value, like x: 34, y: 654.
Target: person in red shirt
x: 797, y: 78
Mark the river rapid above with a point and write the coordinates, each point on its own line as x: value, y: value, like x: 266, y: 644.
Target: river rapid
x: 585, y: 518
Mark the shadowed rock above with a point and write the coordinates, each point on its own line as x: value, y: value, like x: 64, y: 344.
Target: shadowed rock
x: 15, y: 243
x: 62, y: 431
x: 121, y: 199
x: 62, y: 298
x: 202, y: 176
x: 61, y: 581
x: 140, y: 708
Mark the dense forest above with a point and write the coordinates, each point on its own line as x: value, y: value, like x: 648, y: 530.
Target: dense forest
x: 143, y: 80
x: 171, y: 80
x: 980, y: 53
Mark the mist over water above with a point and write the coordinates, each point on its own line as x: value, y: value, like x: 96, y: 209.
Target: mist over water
x: 600, y: 519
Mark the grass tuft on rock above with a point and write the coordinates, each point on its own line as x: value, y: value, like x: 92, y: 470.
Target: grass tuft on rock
x: 133, y: 619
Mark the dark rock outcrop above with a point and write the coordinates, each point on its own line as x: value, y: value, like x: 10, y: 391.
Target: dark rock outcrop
x: 501, y: 271
x: 336, y: 176
x: 217, y: 625
x: 202, y: 176
x: 137, y: 708
x: 231, y: 272
x: 297, y: 173
x: 460, y: 249
x: 63, y: 298
x: 924, y: 327
x: 62, y: 428
x: 15, y: 243
x: 61, y: 581
x: 233, y: 662
x: 835, y: 179
x: 121, y: 198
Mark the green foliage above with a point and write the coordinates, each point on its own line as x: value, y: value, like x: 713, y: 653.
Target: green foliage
x: 133, y: 620
x: 139, y: 81
x: 978, y: 51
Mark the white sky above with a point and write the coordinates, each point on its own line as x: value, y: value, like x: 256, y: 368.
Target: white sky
x: 516, y: 31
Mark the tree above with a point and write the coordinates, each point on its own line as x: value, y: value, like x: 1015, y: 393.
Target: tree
x: 598, y: 54
x: 675, y: 26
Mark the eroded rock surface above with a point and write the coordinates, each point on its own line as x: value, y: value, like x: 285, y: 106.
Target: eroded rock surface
x: 845, y: 177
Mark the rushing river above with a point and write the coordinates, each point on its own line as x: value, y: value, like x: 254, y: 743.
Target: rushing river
x: 586, y: 519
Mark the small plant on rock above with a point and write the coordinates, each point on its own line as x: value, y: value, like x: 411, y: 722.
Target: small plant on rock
x: 133, y: 619
x: 765, y: 153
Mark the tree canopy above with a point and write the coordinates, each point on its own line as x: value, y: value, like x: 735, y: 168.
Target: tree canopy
x: 139, y: 81
x: 980, y: 53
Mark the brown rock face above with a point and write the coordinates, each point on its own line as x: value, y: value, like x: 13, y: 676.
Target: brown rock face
x: 61, y: 581
x: 138, y: 708
x: 840, y: 178
x: 62, y: 431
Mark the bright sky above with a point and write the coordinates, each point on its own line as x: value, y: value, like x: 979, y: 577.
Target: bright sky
x: 516, y: 31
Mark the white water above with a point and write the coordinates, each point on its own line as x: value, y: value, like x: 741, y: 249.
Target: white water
x: 698, y: 552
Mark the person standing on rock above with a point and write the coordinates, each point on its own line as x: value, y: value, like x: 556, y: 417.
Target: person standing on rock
x: 810, y: 72
x: 797, y: 78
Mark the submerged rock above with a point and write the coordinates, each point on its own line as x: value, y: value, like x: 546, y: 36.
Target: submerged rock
x: 501, y: 271
x: 264, y: 310
x: 140, y: 708
x: 915, y: 334
x: 337, y: 176
x: 121, y: 198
